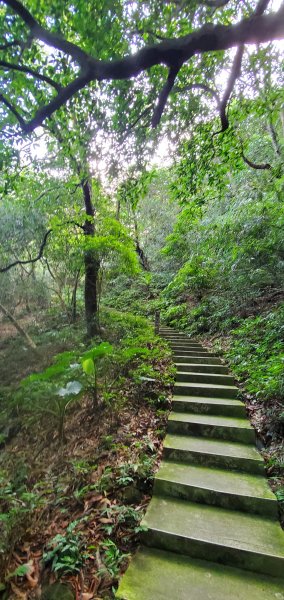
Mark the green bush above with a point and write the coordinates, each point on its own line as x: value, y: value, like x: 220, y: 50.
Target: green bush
x: 257, y: 353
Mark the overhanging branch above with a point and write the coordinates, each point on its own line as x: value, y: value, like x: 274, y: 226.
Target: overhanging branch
x: 234, y: 75
x: 164, y: 94
x: 172, y: 53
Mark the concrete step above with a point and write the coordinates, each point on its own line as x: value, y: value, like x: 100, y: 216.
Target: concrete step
x: 190, y: 367
x: 208, y: 359
x: 213, y: 453
x: 185, y: 343
x: 182, y: 339
x: 159, y: 575
x: 211, y: 533
x: 189, y: 354
x: 212, y: 426
x: 189, y: 348
x: 227, y: 489
x: 210, y: 406
x: 190, y: 376
x: 205, y: 389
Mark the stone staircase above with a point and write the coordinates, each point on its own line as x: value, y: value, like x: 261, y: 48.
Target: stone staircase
x: 212, y: 524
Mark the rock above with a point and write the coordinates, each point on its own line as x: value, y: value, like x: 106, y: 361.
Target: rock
x: 130, y: 495
x: 58, y: 591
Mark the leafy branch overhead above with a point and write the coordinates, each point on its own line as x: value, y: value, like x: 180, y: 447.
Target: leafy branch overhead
x: 173, y: 52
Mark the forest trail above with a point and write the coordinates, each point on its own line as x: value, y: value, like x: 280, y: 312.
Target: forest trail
x: 212, y: 524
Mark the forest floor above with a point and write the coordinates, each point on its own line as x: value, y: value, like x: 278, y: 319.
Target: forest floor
x: 81, y: 504
x: 75, y: 510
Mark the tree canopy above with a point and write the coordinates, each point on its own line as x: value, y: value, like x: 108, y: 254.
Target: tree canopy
x: 52, y: 52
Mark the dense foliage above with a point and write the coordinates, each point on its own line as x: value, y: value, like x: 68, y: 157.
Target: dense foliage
x: 105, y: 220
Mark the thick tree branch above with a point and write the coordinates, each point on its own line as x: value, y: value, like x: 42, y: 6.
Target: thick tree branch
x: 235, y: 74
x: 51, y: 39
x: 261, y: 7
x: 13, y: 67
x: 164, y: 94
x: 215, y: 3
x: 172, y: 53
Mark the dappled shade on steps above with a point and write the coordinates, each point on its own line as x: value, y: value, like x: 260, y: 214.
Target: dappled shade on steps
x: 212, y: 524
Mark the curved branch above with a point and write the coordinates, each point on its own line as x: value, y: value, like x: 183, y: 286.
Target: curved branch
x: 259, y: 167
x: 31, y: 260
x: 11, y: 66
x: 201, y: 86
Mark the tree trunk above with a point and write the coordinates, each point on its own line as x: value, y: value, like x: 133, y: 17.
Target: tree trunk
x: 17, y: 326
x: 141, y: 254
x: 92, y: 267
x: 74, y: 298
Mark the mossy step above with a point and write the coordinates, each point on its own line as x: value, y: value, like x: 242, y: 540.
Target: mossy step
x: 186, y: 346
x: 204, y: 377
x: 204, y: 405
x: 180, y: 351
x: 205, y: 389
x: 183, y: 339
x: 159, y: 575
x: 208, y: 360
x: 213, y: 453
x: 190, y: 367
x: 228, y: 537
x: 219, y: 487
x: 212, y: 426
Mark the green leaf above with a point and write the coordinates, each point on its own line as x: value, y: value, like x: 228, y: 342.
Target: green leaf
x: 88, y: 366
x: 72, y: 388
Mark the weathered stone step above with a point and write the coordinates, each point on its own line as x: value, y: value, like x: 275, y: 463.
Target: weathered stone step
x: 211, y: 406
x: 182, y: 339
x: 189, y: 355
x: 205, y: 389
x: 227, y: 489
x: 213, y: 453
x: 208, y: 359
x: 187, y: 348
x: 159, y: 575
x: 190, y: 367
x: 204, y: 377
x: 185, y: 344
x: 228, y: 537
x: 212, y: 426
